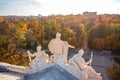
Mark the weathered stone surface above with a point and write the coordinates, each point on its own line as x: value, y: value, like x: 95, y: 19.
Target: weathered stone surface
x: 11, y: 76
x: 52, y: 73
x: 3, y: 67
x: 9, y: 67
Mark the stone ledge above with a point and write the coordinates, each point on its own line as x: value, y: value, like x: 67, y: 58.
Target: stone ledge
x: 10, y: 67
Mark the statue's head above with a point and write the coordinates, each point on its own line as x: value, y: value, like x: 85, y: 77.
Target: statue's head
x: 81, y: 52
x: 58, y: 35
x: 38, y: 48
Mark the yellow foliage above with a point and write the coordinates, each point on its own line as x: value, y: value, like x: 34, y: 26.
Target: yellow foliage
x: 82, y: 27
x: 24, y: 28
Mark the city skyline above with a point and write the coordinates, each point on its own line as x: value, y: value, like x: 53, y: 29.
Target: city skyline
x: 47, y: 7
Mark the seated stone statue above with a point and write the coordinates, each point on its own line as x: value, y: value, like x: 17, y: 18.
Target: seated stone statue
x: 39, y: 55
x: 39, y: 62
x: 87, y: 72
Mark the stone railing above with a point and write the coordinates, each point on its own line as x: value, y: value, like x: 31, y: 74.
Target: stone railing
x: 10, y: 67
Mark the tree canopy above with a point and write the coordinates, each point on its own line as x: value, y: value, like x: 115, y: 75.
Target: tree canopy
x: 19, y: 33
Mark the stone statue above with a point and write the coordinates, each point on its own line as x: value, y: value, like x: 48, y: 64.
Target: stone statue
x: 55, y: 45
x: 77, y: 67
x: 87, y: 72
x: 38, y: 55
x: 59, y: 48
x: 40, y: 62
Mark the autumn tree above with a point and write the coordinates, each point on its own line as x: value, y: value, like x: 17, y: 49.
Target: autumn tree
x: 113, y: 42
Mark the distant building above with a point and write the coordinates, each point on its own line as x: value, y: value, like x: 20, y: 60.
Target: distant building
x: 89, y: 13
x: 40, y: 16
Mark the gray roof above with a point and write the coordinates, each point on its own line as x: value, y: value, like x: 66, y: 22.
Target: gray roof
x: 54, y: 72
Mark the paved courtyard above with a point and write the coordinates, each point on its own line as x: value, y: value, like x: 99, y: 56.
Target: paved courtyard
x: 100, y: 63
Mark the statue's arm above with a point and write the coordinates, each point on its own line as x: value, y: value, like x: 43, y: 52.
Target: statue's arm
x: 71, y: 46
x: 30, y: 54
x: 89, y: 62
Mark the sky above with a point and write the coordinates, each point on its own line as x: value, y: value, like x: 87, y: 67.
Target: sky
x: 64, y: 7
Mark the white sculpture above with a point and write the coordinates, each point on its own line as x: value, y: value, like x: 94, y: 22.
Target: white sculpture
x: 39, y: 63
x: 87, y: 72
x: 56, y: 45
x: 59, y: 48
x: 38, y: 55
x: 77, y: 67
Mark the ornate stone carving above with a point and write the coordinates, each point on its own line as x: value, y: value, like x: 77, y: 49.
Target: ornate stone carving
x: 77, y: 67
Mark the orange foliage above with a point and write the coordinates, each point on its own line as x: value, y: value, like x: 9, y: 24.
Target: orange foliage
x: 24, y: 27
x: 113, y: 41
x: 99, y: 43
x: 1, y: 19
x: 18, y: 33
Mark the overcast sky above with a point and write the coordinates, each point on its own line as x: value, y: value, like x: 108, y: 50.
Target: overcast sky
x: 65, y: 7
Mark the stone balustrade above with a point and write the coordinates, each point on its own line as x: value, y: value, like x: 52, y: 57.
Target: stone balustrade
x: 10, y: 67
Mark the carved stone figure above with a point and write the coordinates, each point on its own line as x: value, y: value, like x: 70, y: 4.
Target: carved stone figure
x: 87, y: 72
x: 39, y: 62
x: 38, y: 55
x: 77, y: 67
x: 55, y: 45
x: 59, y: 48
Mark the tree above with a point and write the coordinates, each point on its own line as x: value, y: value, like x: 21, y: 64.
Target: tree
x: 112, y: 42
x: 99, y: 43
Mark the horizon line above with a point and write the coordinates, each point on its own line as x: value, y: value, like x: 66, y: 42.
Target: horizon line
x: 61, y: 14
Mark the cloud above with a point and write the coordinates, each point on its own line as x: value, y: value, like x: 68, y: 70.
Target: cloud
x: 19, y: 6
x: 8, y: 4
x: 47, y: 7
x: 11, y: 4
x: 35, y: 2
